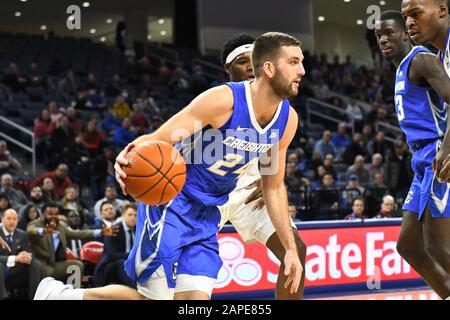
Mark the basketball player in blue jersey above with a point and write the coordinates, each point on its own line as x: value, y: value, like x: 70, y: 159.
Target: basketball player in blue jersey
x: 176, y: 252
x: 420, y: 82
x: 245, y: 207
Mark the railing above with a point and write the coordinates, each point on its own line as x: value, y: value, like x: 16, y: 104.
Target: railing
x: 320, y: 109
x: 31, y: 149
x: 210, y: 70
x: 388, y: 128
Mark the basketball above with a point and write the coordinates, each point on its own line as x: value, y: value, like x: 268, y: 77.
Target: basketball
x: 156, y: 172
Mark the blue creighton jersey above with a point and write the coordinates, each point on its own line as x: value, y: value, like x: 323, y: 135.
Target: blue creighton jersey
x: 445, y: 56
x: 421, y: 113
x: 217, y: 157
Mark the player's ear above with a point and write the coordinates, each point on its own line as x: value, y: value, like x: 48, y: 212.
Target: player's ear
x: 227, y: 68
x: 269, y: 69
x: 443, y: 10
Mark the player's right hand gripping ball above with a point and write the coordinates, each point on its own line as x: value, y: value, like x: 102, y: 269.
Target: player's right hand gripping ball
x: 156, y: 172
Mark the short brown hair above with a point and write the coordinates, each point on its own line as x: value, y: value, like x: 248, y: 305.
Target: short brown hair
x: 132, y: 205
x: 266, y: 47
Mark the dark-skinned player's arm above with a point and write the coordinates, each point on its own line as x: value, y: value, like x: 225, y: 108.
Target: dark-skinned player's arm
x: 212, y: 107
x: 428, y: 67
x: 276, y: 199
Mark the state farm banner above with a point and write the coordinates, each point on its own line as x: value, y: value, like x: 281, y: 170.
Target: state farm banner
x: 335, y: 256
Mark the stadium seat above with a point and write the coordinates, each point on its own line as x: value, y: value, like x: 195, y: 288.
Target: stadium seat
x: 91, y: 252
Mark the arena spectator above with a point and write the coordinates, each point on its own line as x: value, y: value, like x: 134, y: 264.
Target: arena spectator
x: 37, y: 197
x: 114, y: 87
x: 387, y: 207
x: 111, y: 196
x: 59, y: 178
x: 328, y: 164
x: 4, y: 204
x: 74, y: 223
x: 377, y: 182
x: 71, y: 202
x: 35, y: 77
x: 326, y: 199
x: 102, y: 172
x: 352, y: 190
x: 48, y: 190
x: 358, y: 210
x: 48, y: 239
x: 107, y: 215
x: 397, y: 171
x: 318, y: 177
x: 378, y: 145
x: 43, y: 127
x: 60, y: 140
x: 14, y: 78
x: 121, y: 108
x: 125, y: 134
x: 74, y: 123
x: 358, y: 169
x: 27, y: 214
x: 54, y: 111
x: 67, y: 86
x: 8, y: 164
x: 110, y: 122
x: 340, y: 138
x: 377, y: 165
x: 16, y: 197
x: 116, y: 249
x: 354, y: 113
x: 354, y: 149
x: 93, y: 139
x: 19, y: 271
x: 325, y: 145
x: 367, y: 134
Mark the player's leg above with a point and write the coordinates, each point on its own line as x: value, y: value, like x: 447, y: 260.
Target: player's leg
x: 437, y: 238
x: 198, y: 267
x: 51, y: 289
x: 411, y: 247
x: 275, y: 245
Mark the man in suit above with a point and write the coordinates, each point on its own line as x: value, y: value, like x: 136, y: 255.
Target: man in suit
x: 48, y: 238
x: 110, y: 268
x: 18, y: 268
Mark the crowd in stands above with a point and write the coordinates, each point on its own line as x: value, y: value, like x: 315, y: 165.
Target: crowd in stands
x: 336, y: 174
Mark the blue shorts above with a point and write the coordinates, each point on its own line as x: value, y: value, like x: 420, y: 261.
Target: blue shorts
x: 425, y: 190
x: 180, y: 236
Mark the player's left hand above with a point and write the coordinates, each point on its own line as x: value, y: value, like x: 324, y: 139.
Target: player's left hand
x: 441, y: 166
x: 293, y: 269
x: 255, y: 195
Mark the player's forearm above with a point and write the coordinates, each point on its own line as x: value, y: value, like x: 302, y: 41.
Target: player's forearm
x: 277, y: 206
x: 446, y: 141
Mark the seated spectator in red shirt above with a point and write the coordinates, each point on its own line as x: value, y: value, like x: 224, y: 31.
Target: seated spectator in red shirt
x: 43, y: 126
x: 358, y: 210
x: 74, y: 124
x: 59, y: 178
x: 387, y: 207
x: 93, y: 138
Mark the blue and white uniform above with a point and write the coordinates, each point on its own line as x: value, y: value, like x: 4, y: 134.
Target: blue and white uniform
x: 176, y: 247
x: 422, y: 116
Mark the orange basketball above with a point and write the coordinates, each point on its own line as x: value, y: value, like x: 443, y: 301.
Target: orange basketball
x: 156, y: 173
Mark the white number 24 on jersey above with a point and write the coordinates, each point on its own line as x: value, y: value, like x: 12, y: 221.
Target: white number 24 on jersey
x: 230, y: 161
x: 400, y: 110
